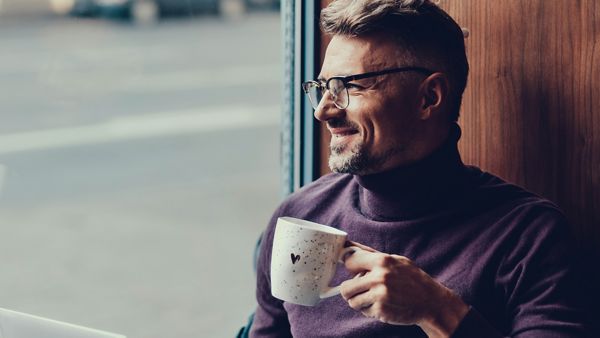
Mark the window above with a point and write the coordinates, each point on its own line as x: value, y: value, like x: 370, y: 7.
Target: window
x: 139, y: 161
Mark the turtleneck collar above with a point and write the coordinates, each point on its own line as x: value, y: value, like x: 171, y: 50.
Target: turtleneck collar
x: 414, y: 189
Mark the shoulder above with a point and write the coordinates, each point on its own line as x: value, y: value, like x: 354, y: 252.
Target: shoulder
x: 512, y: 216
x: 491, y: 191
x: 519, y: 219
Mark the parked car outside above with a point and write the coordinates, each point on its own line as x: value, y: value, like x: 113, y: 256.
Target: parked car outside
x: 150, y: 10
x: 74, y: 7
x: 262, y: 4
x: 84, y: 8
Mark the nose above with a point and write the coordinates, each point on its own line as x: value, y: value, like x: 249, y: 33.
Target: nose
x: 327, y: 110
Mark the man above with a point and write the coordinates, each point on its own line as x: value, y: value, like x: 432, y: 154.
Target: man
x: 448, y: 250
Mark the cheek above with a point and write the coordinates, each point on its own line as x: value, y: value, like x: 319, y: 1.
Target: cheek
x: 363, y: 112
x: 382, y: 119
x: 389, y: 124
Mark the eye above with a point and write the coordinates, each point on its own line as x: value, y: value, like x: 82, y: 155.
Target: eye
x: 354, y: 86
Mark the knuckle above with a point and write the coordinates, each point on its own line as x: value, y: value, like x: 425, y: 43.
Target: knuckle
x: 389, y: 260
x: 383, y: 259
x: 376, y: 309
x: 381, y: 292
x: 383, y: 276
x: 386, y: 277
x: 402, y: 260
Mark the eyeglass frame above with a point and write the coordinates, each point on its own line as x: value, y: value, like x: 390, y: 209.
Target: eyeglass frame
x: 346, y: 79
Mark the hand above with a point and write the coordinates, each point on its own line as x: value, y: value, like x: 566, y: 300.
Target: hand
x: 394, y: 290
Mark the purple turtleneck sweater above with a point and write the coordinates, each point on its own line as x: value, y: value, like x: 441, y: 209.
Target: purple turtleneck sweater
x: 504, y: 250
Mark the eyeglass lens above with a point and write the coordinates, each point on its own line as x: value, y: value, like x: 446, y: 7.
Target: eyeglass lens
x: 337, y: 89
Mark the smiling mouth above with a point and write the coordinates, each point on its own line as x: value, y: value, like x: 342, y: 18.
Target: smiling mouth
x: 341, y: 132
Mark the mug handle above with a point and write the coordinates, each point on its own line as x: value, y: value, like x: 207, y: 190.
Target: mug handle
x: 335, y: 290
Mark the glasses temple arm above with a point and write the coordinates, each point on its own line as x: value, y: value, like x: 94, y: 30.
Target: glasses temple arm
x: 387, y: 71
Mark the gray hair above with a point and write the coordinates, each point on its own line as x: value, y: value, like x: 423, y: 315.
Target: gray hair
x: 427, y: 34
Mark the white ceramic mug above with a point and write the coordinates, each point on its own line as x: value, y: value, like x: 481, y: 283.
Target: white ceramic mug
x: 304, y: 259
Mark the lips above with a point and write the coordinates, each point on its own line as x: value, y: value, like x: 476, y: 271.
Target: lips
x: 340, y: 132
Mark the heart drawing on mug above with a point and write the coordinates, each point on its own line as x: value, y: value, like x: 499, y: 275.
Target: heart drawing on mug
x: 295, y: 258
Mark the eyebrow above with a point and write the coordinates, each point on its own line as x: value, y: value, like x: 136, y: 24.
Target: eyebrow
x: 323, y: 79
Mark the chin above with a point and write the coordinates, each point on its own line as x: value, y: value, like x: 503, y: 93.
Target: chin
x: 350, y: 162
x: 358, y: 161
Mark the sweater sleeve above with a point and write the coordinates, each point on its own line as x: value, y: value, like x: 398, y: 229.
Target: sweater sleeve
x: 539, y: 282
x: 474, y: 325
x: 270, y: 318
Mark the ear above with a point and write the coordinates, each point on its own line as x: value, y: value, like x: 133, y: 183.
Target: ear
x: 433, y: 94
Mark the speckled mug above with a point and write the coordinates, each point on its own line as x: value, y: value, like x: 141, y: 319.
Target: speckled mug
x: 304, y: 260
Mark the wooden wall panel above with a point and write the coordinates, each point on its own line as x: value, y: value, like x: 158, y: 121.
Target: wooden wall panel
x: 531, y: 110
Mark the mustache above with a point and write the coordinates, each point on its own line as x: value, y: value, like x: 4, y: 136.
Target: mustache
x: 341, y: 123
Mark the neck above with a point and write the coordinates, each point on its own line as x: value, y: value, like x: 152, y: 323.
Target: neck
x: 410, y: 190
x: 424, y: 149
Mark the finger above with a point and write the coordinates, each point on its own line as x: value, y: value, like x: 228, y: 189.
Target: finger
x: 354, y: 286
x: 362, y: 301
x: 370, y: 311
x: 362, y: 246
x: 362, y: 260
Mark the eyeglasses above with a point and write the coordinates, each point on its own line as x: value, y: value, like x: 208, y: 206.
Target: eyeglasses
x: 338, y: 85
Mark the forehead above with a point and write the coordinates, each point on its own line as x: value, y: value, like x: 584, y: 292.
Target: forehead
x: 354, y: 55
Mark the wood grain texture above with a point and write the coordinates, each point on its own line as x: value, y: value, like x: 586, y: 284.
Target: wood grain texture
x: 531, y: 110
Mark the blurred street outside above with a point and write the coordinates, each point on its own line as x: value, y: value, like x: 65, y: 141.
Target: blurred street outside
x: 138, y: 166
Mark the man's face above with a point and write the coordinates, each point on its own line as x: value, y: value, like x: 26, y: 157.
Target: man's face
x: 379, y: 130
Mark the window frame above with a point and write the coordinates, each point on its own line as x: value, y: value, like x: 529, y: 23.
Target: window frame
x: 299, y: 131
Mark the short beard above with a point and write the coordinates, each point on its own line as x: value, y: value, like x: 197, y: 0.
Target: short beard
x: 358, y: 162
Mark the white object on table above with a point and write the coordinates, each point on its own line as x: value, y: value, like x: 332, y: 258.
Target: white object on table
x: 21, y: 325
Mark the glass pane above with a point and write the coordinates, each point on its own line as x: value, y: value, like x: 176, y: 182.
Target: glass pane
x: 339, y: 93
x: 138, y: 161
x: 314, y: 94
